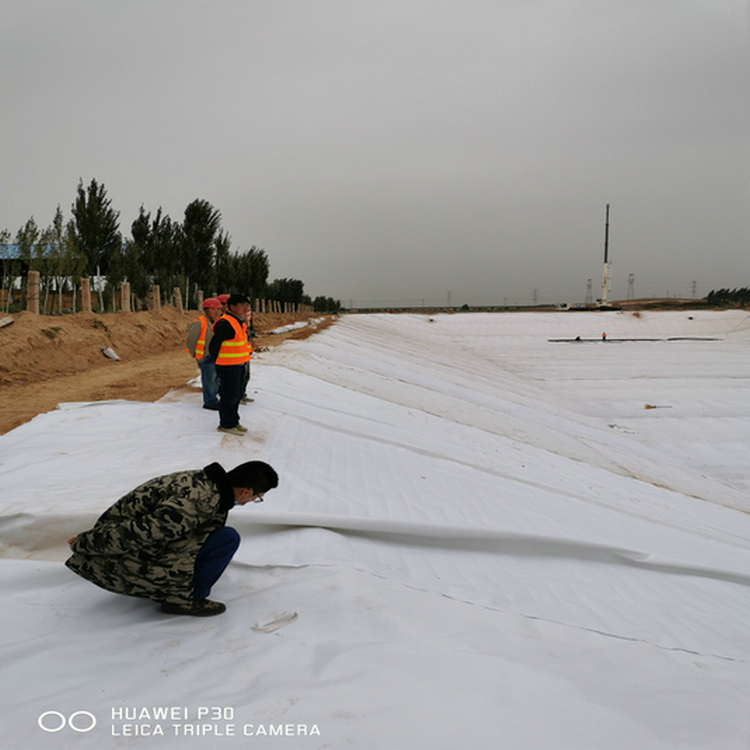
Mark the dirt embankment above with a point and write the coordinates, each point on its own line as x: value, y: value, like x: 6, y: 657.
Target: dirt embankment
x: 46, y: 360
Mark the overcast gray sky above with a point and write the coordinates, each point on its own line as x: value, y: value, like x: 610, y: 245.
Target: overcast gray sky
x: 394, y: 151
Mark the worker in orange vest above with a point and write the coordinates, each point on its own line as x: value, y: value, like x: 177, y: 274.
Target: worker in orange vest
x: 251, y: 335
x: 231, y: 350
x: 198, y: 338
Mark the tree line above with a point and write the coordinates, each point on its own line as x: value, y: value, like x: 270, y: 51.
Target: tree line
x: 194, y: 254
x: 729, y: 297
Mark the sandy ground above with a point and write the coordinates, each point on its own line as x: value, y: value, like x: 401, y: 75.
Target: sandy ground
x: 47, y: 360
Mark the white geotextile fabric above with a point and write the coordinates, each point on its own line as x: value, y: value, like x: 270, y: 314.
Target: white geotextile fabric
x: 489, y: 538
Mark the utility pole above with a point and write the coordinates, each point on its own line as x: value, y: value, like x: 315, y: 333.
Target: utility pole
x: 605, y: 275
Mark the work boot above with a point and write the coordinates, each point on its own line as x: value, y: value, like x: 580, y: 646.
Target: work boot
x: 196, y: 608
x: 232, y: 430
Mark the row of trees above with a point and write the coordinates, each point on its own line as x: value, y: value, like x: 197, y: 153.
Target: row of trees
x: 53, y: 251
x: 729, y: 297
x: 194, y: 254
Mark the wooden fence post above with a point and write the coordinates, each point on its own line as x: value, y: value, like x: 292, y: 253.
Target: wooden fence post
x: 86, y: 295
x: 125, y: 296
x: 32, y: 292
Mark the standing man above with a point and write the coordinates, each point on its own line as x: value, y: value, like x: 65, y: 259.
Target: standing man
x: 167, y: 541
x: 198, y: 338
x: 231, y: 350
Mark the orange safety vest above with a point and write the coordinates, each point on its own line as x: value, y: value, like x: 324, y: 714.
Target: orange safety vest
x: 200, y: 345
x: 235, y: 351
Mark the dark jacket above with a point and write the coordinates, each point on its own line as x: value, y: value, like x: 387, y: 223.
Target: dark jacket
x: 146, y: 543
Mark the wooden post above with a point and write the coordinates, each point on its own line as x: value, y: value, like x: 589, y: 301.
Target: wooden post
x: 32, y: 292
x: 200, y: 299
x: 86, y: 295
x: 125, y: 296
x: 156, y: 298
x: 178, y: 299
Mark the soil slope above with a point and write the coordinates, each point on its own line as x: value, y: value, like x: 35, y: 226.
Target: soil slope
x: 46, y: 360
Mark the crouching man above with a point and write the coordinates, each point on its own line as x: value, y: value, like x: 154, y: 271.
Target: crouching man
x: 167, y: 539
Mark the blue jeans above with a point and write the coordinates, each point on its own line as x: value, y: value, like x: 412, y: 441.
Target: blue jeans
x: 213, y: 558
x: 231, y: 384
x: 209, y: 381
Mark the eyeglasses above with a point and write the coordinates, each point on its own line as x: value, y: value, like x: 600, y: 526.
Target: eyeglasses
x: 258, y: 499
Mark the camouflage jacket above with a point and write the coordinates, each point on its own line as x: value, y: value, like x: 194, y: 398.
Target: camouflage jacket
x: 146, y: 543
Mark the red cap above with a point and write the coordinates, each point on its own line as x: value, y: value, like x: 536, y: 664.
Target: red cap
x: 211, y: 302
x: 223, y: 298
